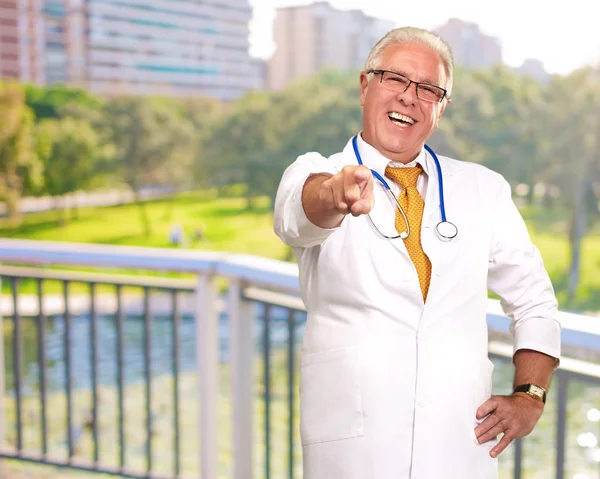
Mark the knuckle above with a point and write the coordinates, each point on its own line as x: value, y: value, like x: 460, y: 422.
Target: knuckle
x: 348, y: 170
x: 352, y: 195
x: 341, y: 206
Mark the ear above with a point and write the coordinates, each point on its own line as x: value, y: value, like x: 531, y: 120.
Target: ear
x: 364, y: 87
x: 445, y: 103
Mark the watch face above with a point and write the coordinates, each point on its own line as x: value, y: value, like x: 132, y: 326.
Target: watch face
x: 536, y: 390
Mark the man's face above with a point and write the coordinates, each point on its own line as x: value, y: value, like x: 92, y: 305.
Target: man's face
x: 397, y: 140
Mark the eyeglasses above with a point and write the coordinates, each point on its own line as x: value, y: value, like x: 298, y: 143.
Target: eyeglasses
x: 399, y: 83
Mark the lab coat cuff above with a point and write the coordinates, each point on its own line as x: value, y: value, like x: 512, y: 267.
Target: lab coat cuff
x: 305, y: 228
x: 539, y: 334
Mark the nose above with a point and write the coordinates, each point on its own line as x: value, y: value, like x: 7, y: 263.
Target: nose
x: 409, y: 96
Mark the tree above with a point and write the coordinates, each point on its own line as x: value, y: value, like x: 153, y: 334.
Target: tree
x: 153, y: 145
x: 70, y: 157
x: 203, y: 114
x: 461, y: 131
x: 263, y: 133
x: 19, y: 163
x: 571, y: 117
x: 509, y: 140
x: 48, y: 101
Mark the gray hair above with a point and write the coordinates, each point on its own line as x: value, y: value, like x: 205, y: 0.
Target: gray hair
x: 412, y: 35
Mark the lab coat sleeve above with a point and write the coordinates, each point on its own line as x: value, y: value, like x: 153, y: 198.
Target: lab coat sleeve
x: 290, y: 221
x: 517, y: 275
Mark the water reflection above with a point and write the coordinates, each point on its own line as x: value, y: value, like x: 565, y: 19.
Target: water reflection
x: 133, y: 343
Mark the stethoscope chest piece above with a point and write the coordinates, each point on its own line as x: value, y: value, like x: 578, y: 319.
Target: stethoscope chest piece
x: 446, y: 230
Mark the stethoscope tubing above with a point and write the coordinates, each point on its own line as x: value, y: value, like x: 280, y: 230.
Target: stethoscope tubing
x: 388, y: 190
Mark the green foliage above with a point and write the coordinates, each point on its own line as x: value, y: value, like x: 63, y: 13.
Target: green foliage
x: 19, y: 164
x: 70, y: 161
x: 47, y: 102
x: 263, y: 133
x: 153, y: 145
x: 152, y: 141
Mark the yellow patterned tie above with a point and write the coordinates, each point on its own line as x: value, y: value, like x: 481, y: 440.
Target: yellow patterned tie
x: 411, y: 201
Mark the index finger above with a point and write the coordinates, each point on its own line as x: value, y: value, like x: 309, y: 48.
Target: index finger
x: 361, y: 174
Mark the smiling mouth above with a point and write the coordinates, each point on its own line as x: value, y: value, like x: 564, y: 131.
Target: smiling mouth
x: 401, y: 120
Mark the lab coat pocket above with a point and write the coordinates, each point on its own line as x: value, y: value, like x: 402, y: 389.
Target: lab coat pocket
x: 330, y: 396
x: 483, y: 393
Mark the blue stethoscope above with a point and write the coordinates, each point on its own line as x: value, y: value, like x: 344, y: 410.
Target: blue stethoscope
x: 444, y: 229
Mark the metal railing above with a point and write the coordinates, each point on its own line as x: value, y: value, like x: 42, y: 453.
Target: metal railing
x: 254, y: 325
x: 148, y: 286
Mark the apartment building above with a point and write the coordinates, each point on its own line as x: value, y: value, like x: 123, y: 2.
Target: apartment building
x: 315, y: 37
x: 174, y: 47
x: 471, y: 48
x: 171, y: 47
x: 22, y: 46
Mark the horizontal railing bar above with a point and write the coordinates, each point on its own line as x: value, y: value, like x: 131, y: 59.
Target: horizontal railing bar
x: 265, y: 272
x: 81, y: 465
x: 584, y: 370
x: 274, y: 298
x: 37, y: 253
x: 98, y: 278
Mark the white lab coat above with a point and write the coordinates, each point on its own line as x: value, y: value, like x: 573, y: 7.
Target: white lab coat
x: 389, y: 385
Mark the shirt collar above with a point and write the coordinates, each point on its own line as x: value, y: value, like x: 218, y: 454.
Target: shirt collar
x: 376, y: 161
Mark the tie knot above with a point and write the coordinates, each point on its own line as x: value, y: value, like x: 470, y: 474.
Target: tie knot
x: 405, y: 177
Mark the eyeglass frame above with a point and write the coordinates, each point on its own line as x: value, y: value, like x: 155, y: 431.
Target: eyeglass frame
x: 410, y: 82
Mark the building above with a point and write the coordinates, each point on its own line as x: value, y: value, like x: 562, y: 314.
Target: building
x: 315, y: 37
x: 22, y: 47
x: 470, y: 47
x: 171, y: 47
x: 64, y: 35
x: 533, y: 68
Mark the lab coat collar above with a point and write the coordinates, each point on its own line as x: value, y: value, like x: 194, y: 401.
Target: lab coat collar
x: 376, y: 161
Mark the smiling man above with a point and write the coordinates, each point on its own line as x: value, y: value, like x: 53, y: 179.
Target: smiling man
x: 397, y: 249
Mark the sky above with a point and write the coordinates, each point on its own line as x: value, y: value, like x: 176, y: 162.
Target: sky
x: 564, y: 35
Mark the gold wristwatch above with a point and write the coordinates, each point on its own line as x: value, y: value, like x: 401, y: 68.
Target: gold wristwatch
x: 535, y: 391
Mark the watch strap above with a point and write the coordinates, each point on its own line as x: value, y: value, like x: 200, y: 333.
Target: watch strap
x: 533, y: 390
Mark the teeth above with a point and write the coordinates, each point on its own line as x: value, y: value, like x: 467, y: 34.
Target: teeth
x: 397, y: 116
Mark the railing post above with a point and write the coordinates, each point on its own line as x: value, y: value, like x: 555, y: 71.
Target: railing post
x: 241, y: 363
x: 561, y: 424
x: 2, y: 386
x: 518, y: 464
x: 207, y: 360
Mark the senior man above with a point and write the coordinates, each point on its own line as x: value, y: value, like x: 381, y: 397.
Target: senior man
x: 397, y: 249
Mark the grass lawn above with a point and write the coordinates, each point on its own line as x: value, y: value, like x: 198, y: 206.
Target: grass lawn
x: 229, y: 225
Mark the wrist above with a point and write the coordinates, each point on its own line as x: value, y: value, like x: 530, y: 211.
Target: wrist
x: 533, y: 391
x: 314, y: 204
